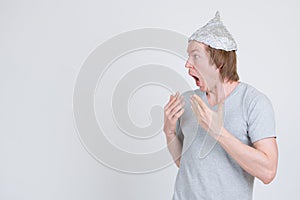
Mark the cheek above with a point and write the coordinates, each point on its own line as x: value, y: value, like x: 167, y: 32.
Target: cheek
x: 202, y: 67
x: 202, y: 62
x: 206, y: 73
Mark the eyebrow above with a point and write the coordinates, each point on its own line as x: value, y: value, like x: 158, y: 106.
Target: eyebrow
x: 193, y: 51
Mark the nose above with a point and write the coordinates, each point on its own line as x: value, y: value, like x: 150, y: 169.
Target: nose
x: 188, y: 64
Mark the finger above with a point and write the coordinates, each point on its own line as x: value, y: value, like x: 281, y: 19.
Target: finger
x: 177, y: 108
x: 220, y: 110
x: 194, y: 110
x: 172, y: 99
x: 197, y: 106
x: 174, y: 104
x: 221, y: 106
x: 181, y: 98
x: 178, y: 114
x: 174, y: 96
x: 199, y: 101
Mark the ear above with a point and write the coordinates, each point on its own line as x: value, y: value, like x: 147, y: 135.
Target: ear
x: 219, y: 68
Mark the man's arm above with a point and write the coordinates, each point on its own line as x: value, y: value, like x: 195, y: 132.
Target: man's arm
x: 172, y: 111
x: 259, y: 160
x: 175, y: 148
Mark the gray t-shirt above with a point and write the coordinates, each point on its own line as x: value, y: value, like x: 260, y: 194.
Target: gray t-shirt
x: 249, y: 116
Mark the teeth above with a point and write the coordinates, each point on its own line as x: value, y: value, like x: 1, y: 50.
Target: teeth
x: 197, y: 79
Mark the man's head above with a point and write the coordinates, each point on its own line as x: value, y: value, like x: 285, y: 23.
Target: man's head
x: 212, y: 55
x: 208, y: 65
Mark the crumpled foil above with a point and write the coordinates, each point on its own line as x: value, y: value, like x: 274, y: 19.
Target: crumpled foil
x: 215, y: 34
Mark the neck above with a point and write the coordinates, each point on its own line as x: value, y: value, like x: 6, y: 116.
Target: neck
x: 220, y: 91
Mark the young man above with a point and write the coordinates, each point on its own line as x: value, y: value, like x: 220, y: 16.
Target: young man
x: 238, y: 117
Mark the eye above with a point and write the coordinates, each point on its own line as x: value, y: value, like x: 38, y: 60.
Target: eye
x: 196, y: 56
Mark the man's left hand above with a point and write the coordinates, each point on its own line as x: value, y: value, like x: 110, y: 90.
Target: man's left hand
x: 211, y: 121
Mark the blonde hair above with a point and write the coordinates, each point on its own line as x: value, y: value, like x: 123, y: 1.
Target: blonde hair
x: 226, y: 61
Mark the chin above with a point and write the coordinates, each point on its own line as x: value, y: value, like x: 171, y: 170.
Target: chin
x: 202, y: 88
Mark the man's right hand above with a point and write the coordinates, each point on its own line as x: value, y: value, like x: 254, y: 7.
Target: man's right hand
x: 172, y: 111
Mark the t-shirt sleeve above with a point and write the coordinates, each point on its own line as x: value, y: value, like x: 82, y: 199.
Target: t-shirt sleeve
x: 261, y: 119
x: 179, y: 133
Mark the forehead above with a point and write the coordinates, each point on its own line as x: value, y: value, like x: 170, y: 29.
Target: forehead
x: 196, y: 46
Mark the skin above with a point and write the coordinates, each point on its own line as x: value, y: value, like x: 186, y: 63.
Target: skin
x: 172, y: 111
x: 260, y: 160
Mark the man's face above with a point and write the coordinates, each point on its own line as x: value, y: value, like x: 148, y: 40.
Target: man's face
x: 205, y: 74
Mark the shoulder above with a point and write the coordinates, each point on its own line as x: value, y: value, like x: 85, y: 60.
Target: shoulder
x: 252, y: 94
x: 254, y: 99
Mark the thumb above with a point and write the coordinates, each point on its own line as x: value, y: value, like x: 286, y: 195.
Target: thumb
x: 221, y: 107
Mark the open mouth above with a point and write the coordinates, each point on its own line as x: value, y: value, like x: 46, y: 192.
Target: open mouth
x: 197, y: 80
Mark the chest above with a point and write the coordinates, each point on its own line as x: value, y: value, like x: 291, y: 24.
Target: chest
x: 234, y: 121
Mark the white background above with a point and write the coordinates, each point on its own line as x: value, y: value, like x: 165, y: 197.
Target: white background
x: 42, y: 47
